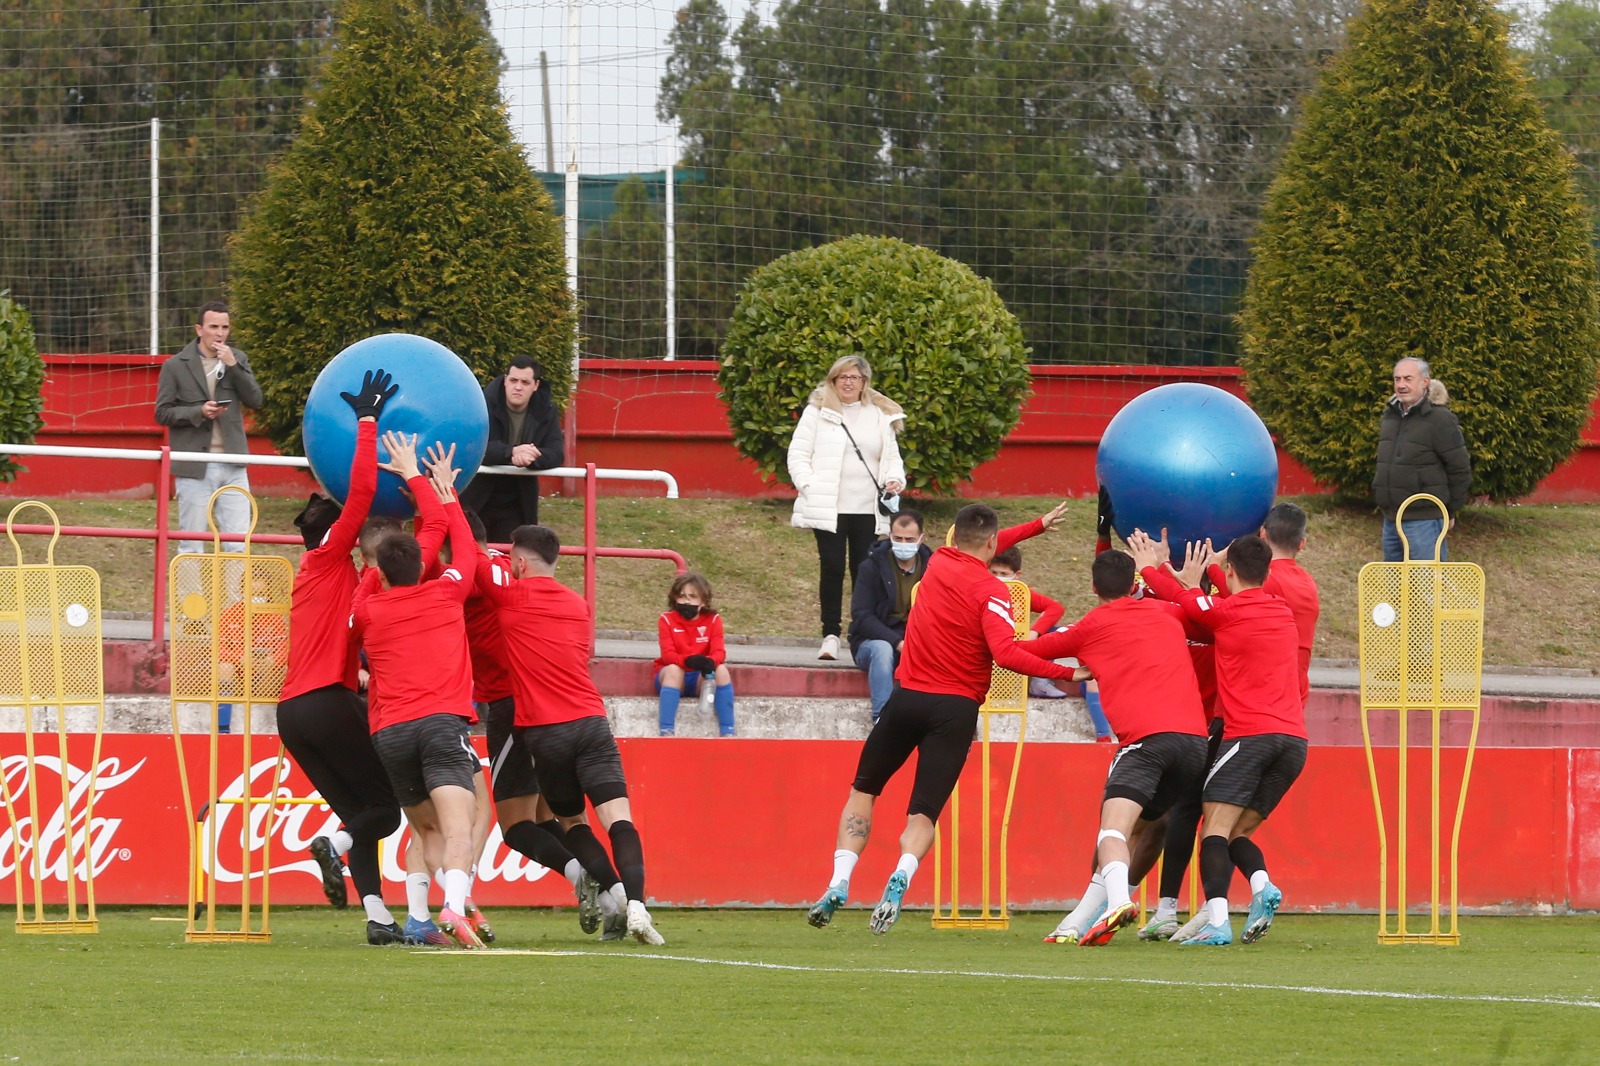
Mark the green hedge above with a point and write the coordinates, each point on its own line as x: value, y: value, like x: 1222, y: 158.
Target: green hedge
x: 939, y: 340
x: 404, y: 204
x: 21, y: 379
x: 1424, y: 208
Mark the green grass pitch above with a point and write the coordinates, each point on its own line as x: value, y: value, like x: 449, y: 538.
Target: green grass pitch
x: 762, y: 986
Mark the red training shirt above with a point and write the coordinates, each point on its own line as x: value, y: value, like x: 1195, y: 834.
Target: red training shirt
x: 1050, y: 611
x: 960, y: 625
x: 548, y: 624
x: 1139, y: 652
x: 486, y: 641
x: 679, y: 639
x: 416, y: 635
x: 1258, y: 683
x: 1289, y: 581
x: 321, y: 652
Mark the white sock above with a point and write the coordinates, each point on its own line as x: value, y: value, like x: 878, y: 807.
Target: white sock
x: 620, y: 895
x: 342, y: 842
x: 1258, y: 881
x: 376, y: 911
x: 1094, y: 898
x: 417, y: 896
x: 456, y: 883
x: 438, y: 876
x: 1167, y: 908
x: 472, y: 879
x: 844, y: 864
x: 608, y: 903
x: 907, y: 865
x: 1115, y: 876
x: 574, y: 872
x: 1217, y: 911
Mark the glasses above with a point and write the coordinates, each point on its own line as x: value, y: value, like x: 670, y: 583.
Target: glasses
x: 849, y: 377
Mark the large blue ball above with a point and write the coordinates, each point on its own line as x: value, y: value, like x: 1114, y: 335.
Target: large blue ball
x: 439, y: 400
x: 1189, y: 458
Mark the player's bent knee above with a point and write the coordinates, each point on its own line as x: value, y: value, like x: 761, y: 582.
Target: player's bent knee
x: 1110, y: 834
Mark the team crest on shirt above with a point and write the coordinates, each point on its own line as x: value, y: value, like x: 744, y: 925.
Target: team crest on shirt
x: 701, y: 630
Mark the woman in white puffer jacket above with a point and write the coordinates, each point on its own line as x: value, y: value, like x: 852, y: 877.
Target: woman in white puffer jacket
x: 838, y: 489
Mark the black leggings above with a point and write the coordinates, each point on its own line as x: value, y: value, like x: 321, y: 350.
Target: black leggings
x: 326, y: 733
x: 853, y: 536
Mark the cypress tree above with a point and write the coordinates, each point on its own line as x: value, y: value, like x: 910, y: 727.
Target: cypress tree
x: 1424, y: 208
x: 403, y: 204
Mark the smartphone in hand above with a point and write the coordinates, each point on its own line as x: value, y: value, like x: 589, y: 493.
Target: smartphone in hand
x: 222, y: 403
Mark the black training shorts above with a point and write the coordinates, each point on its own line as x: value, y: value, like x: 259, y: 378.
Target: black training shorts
x: 427, y: 753
x: 576, y: 759
x: 1255, y: 772
x: 1157, y: 771
x: 935, y: 725
x: 510, y: 763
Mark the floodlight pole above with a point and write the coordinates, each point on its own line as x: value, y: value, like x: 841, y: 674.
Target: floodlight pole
x: 569, y: 423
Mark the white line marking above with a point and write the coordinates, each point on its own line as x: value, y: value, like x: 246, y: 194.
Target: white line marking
x: 1314, y: 990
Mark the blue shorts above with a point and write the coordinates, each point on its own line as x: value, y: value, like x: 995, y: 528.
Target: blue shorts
x: 690, y: 686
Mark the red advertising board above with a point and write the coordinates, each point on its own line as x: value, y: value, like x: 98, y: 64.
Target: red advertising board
x: 1527, y: 841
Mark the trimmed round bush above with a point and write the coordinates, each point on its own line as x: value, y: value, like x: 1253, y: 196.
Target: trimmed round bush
x: 21, y: 378
x: 1424, y: 208
x: 940, y: 341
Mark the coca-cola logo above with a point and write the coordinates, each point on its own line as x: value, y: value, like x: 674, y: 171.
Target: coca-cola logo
x: 42, y: 837
x: 294, y: 824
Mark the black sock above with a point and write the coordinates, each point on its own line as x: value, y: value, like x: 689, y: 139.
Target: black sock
x: 1216, y: 866
x: 589, y: 852
x: 553, y: 827
x: 532, y: 840
x: 1246, y: 856
x: 362, y: 858
x: 629, y: 851
x: 1182, y: 821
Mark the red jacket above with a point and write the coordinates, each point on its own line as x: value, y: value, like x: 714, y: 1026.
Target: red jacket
x: 679, y: 639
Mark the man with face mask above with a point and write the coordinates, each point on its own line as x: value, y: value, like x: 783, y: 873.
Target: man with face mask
x: 881, y: 603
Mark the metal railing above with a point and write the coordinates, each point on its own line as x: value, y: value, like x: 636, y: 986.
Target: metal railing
x: 164, y: 456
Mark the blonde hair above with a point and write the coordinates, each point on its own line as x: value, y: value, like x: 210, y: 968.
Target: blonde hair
x: 827, y: 395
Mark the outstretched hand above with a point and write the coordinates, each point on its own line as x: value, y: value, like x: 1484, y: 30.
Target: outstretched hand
x: 442, y: 472
x: 377, y: 389
x: 1146, y: 551
x: 1052, y: 519
x: 1196, y: 557
x: 402, y: 459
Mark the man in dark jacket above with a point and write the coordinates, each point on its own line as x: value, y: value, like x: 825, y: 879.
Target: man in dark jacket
x: 882, y: 601
x: 525, y: 431
x: 1420, y: 449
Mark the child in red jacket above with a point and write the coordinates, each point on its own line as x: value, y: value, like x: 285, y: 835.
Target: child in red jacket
x: 692, y: 653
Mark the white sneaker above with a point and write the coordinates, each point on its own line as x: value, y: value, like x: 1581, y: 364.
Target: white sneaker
x: 1042, y: 688
x: 1190, y: 928
x: 639, y: 925
x: 830, y: 648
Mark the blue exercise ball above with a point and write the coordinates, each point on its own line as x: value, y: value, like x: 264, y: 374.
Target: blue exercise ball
x: 439, y: 400
x: 1189, y: 458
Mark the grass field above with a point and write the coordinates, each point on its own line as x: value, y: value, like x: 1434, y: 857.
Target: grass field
x: 764, y: 987
x: 1539, y: 612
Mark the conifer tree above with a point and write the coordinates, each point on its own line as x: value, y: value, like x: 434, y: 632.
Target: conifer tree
x: 1424, y: 208
x: 404, y: 204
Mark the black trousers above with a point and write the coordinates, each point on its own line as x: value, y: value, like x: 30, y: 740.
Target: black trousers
x: 505, y: 510
x: 853, y: 537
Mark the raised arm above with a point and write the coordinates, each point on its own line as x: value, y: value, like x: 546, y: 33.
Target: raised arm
x: 1028, y: 530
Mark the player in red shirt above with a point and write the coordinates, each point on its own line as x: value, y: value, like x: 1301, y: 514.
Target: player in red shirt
x: 526, y: 821
x: 321, y: 719
x: 563, y: 722
x: 1263, y: 746
x: 689, y: 633
x: 420, y: 697
x: 1284, y: 530
x: 1138, y: 650
x: 960, y: 626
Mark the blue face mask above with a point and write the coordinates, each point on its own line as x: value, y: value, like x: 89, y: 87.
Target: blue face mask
x: 904, y: 551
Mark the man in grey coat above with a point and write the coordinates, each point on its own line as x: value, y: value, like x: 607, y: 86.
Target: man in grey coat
x: 1420, y: 449
x: 200, y: 398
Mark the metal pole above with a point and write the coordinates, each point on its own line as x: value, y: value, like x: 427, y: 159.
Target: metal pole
x: 549, y: 133
x: 155, y: 236
x: 569, y: 424
x: 672, y: 259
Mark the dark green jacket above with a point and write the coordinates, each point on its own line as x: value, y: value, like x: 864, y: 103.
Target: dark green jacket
x: 1421, y: 450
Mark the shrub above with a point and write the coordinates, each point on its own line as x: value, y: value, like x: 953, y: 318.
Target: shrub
x: 1424, y: 208
x: 403, y: 204
x: 939, y: 340
x: 21, y: 379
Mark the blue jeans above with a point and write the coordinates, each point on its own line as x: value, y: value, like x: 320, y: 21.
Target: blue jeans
x: 878, y: 659
x: 1421, y: 534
